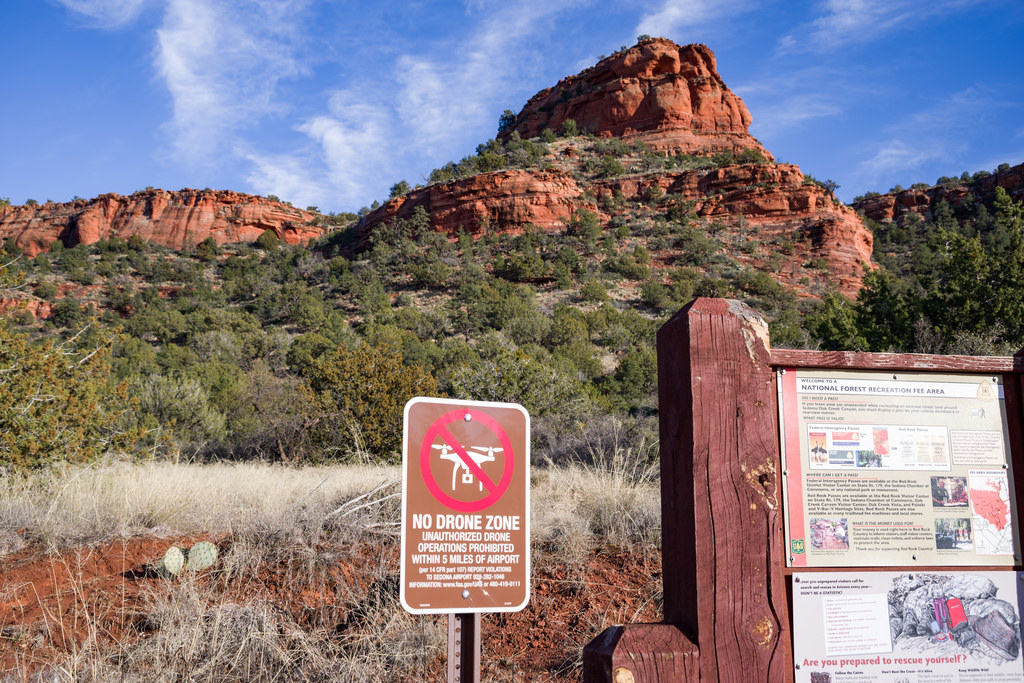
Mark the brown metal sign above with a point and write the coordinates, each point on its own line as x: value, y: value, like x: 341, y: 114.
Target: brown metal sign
x: 465, y: 507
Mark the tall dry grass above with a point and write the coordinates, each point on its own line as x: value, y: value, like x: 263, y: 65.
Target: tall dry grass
x: 306, y: 587
x: 73, y: 506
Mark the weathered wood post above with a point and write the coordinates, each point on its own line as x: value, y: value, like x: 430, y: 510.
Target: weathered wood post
x: 725, y: 596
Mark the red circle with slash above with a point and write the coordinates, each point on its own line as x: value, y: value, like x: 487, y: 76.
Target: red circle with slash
x: 495, y: 490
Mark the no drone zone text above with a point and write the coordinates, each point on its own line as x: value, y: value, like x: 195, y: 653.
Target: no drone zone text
x: 465, y: 507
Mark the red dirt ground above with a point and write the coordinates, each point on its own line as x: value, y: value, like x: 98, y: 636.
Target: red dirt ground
x: 97, y: 598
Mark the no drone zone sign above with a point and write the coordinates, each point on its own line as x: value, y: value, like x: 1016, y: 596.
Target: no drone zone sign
x: 465, y: 507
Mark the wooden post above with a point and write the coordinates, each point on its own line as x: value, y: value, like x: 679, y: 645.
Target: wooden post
x: 640, y: 652
x: 726, y: 612
x: 721, y: 511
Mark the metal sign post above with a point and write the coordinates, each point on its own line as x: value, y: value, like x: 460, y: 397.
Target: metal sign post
x: 464, y: 648
x: 465, y: 517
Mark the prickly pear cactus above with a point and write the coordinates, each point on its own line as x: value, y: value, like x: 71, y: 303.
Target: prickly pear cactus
x: 201, y: 556
x: 174, y: 560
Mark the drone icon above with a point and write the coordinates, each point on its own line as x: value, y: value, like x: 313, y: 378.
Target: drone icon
x: 483, y: 454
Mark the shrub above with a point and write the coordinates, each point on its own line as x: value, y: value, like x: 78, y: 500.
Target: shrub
x: 570, y: 129
x: 56, y: 403
x: 267, y: 241
x: 610, y: 167
x: 207, y: 250
x: 751, y: 156
x: 180, y: 404
x: 399, y: 189
x: 67, y: 313
x: 46, y: 290
x: 355, y: 400
x: 517, y: 377
x: 593, y: 291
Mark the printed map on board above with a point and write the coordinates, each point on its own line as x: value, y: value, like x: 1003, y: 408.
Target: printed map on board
x: 990, y: 503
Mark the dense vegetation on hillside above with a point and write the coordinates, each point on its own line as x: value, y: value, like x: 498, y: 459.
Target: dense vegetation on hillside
x: 308, y: 353
x: 953, y: 284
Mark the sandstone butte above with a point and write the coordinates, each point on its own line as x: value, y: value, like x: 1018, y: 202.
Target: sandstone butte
x: 670, y: 96
x: 672, y: 99
x: 178, y: 220
x: 897, y: 206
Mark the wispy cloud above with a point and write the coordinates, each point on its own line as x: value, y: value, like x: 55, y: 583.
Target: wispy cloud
x: 435, y: 93
x: 222, y: 62
x: 348, y: 161
x: 791, y: 112
x: 895, y: 156
x: 418, y: 114
x: 843, y: 22
x: 107, y: 13
x: 671, y: 17
x: 941, y: 133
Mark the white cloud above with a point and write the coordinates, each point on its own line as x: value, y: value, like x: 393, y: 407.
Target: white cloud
x: 417, y: 117
x: 842, y: 22
x: 439, y: 96
x: 791, y: 112
x: 896, y: 156
x: 941, y: 135
x: 673, y: 16
x: 107, y: 13
x: 286, y: 176
x: 221, y: 62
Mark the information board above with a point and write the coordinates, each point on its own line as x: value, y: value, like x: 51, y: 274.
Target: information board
x: 465, y: 507
x: 885, y: 469
x: 899, y: 627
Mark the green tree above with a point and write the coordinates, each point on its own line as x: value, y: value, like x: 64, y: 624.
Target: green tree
x: 835, y: 324
x: 399, y: 189
x: 356, y: 398
x: 57, y: 404
x: 207, y: 250
x: 520, y: 378
x: 267, y: 241
x: 506, y: 121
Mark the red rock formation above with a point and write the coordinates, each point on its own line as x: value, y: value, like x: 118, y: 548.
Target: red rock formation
x: 776, y: 202
x: 12, y: 303
x: 673, y: 99
x: 896, y: 206
x: 669, y: 96
x: 505, y: 200
x: 771, y: 198
x: 174, y: 219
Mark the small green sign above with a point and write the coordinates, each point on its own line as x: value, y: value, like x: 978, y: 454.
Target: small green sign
x: 798, y: 546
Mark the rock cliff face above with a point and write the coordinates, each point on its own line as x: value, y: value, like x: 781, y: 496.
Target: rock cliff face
x: 507, y: 200
x: 174, y: 219
x: 777, y: 203
x: 13, y: 303
x: 671, y: 96
x: 897, y: 206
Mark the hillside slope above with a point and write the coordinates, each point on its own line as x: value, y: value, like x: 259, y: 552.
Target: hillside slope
x: 652, y: 127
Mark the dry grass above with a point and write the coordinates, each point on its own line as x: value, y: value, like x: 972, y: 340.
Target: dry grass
x: 82, y: 505
x: 306, y: 587
x: 600, y: 486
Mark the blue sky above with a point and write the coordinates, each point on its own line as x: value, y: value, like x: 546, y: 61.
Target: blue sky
x: 328, y: 103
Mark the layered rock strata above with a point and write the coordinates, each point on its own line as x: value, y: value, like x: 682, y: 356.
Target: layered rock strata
x: 178, y: 220
x: 669, y: 95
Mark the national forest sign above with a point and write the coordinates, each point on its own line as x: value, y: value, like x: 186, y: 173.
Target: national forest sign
x: 897, y: 469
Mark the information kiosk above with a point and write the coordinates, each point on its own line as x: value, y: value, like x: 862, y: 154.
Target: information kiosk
x: 829, y: 517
